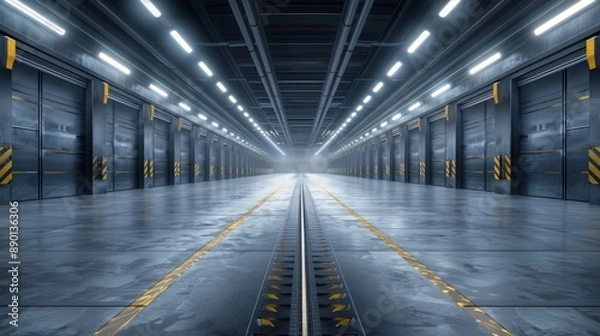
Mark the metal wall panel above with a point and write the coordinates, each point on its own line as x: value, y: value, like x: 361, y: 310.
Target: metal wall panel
x: 213, y: 160
x: 162, y: 150
x: 399, y: 156
x: 437, y: 154
x: 385, y: 166
x: 478, y: 146
x: 110, y: 146
x: 186, y: 156
x: 201, y: 157
x: 25, y: 133
x: 63, y: 135
x: 126, y: 147
x: 374, y: 159
x: 413, y: 168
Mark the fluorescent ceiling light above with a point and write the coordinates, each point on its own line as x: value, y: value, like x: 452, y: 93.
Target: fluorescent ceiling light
x: 359, y: 108
x: 414, y: 106
x: 158, y: 90
x: 114, y: 63
x: 150, y: 6
x: 185, y: 106
x: 378, y: 87
x: 343, y: 125
x: 397, y: 116
x: 367, y: 99
x: 251, y: 120
x: 202, y: 116
x: 231, y: 134
x: 215, y: 124
x: 413, y: 47
x: 448, y: 8
x: 348, y: 120
x: 441, y: 90
x: 383, y: 124
x: 246, y: 114
x: 240, y: 107
x: 563, y: 16
x: 353, y: 114
x: 394, y: 69
x: 206, y: 69
x: 221, y: 87
x: 181, y: 41
x: 237, y: 137
x: 374, y: 130
x: 224, y: 129
x: 361, y: 137
x: 367, y: 134
x: 485, y: 63
x: 36, y: 16
x: 232, y: 99
x: 255, y: 125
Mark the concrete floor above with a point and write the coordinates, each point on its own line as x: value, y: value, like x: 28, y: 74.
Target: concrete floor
x: 532, y: 264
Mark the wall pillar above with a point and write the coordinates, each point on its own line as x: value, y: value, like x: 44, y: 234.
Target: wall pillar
x: 146, y: 128
x: 594, y: 165
x: 5, y: 129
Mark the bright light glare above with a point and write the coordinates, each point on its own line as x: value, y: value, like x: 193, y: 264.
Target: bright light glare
x: 221, y: 87
x: 202, y: 116
x: 150, y: 6
x: 397, y: 116
x: 36, y: 16
x: 181, y: 41
x: 383, y: 124
x: 353, y: 114
x: 413, y: 47
x: 441, y: 90
x: 367, y: 99
x: 485, y: 63
x: 114, y: 63
x: 185, y: 106
x: 448, y: 8
x: 378, y: 87
x: 232, y: 99
x: 206, y: 69
x: 562, y: 16
x: 215, y: 124
x: 240, y: 107
x: 394, y: 69
x: 414, y: 106
x: 158, y: 90
x: 359, y: 108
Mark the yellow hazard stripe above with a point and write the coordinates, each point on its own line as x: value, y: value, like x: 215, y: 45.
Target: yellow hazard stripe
x: 480, y: 316
x: 122, y: 319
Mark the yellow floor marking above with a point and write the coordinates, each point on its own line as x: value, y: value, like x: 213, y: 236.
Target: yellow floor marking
x: 480, y: 316
x: 123, y: 318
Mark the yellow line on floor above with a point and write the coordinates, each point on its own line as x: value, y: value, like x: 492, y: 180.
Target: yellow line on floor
x: 123, y: 318
x: 480, y: 316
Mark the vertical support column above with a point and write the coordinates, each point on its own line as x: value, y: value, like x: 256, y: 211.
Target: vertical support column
x: 391, y: 157
x: 96, y: 152
x: 506, y: 129
x: 404, y: 162
x: 6, y: 165
x: 424, y: 151
x: 195, y: 164
x: 175, y: 143
x: 146, y: 128
x: 594, y: 164
x: 453, y: 141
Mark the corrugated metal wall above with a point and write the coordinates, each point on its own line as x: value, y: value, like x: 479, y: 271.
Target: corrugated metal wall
x: 186, y: 155
x: 398, y: 156
x: 413, y: 167
x: 437, y: 153
x: 162, y: 152
x: 126, y: 146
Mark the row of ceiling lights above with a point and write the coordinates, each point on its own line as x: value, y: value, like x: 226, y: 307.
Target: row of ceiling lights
x: 443, y: 88
x: 186, y: 47
x: 153, y: 87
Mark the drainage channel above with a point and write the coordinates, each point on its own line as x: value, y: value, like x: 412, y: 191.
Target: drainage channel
x: 304, y: 292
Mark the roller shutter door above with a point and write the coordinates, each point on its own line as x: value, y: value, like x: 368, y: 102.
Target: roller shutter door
x: 374, y: 159
x: 213, y: 160
x: 126, y: 146
x: 413, y: 168
x: 162, y: 152
x: 63, y: 134
x: 201, y: 158
x: 186, y: 156
x: 478, y: 145
x: 554, y: 135
x: 385, y: 160
x: 398, y: 157
x: 437, y: 154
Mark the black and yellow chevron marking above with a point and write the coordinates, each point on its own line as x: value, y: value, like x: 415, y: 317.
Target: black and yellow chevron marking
x: 422, y: 168
x: 151, y: 168
x: 497, y: 167
x: 104, y: 171
x: 196, y: 170
x: 452, y: 168
x: 211, y: 170
x: 95, y: 167
x: 594, y: 166
x: 402, y: 169
x: 447, y: 165
x: 146, y: 168
x: 6, y: 166
x: 507, y: 167
x: 177, y: 169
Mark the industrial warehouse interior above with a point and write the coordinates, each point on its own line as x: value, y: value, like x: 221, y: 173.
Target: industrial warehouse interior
x: 299, y: 167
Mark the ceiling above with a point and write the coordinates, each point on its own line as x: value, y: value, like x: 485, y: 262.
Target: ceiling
x: 300, y: 69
